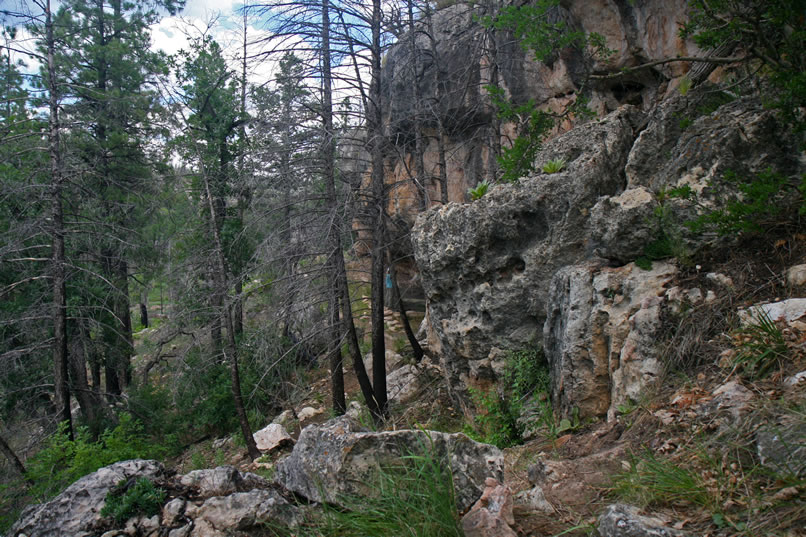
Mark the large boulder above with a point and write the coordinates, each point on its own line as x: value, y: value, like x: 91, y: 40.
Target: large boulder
x: 486, y: 266
x: 235, y: 514
x: 221, y: 481
x: 76, y: 511
x: 340, y: 459
x: 601, y: 334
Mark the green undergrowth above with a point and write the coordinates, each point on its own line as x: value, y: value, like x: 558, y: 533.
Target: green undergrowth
x: 414, y: 497
x: 129, y: 500
x: 526, y: 385
x: 63, y: 461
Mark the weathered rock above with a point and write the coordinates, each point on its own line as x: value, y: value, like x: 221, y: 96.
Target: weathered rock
x: 287, y: 419
x: 600, y: 335
x: 789, y: 311
x: 574, y: 481
x: 533, y: 500
x: 173, y: 512
x: 491, y: 515
x: 272, y: 436
x: 308, y: 414
x: 340, y: 458
x: 405, y: 383
x: 222, y: 516
x: 222, y: 481
x: 621, y: 520
x: 76, y: 511
x: 355, y: 409
x: 486, y: 266
x: 781, y: 446
x: 636, y: 32
x: 692, y: 140
x: 720, y: 279
x: 796, y: 276
x: 731, y: 398
x: 796, y: 380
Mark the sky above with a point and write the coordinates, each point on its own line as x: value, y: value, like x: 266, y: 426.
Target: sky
x: 171, y: 33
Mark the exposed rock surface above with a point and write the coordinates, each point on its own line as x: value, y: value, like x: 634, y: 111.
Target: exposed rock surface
x: 223, y: 516
x: 341, y: 458
x: 789, y: 311
x: 487, y: 267
x: 491, y: 516
x: 405, y: 383
x: 76, y: 511
x: 216, y: 502
x: 272, y: 436
x: 621, y: 520
x: 463, y: 51
x: 221, y: 481
x: 796, y: 275
x: 782, y: 446
x: 731, y: 398
x: 600, y: 335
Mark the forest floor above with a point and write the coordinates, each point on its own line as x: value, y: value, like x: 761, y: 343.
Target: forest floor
x: 717, y: 450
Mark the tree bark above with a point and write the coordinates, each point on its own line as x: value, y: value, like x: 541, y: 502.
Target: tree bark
x: 437, y: 110
x: 13, y: 459
x: 339, y: 404
x: 231, y: 350
x: 329, y: 172
x: 401, y: 308
x: 377, y: 210
x: 62, y: 390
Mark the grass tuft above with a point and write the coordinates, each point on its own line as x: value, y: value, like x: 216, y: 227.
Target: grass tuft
x: 415, y: 498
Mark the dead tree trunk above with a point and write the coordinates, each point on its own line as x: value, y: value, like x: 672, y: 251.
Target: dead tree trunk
x: 231, y: 349
x: 62, y: 390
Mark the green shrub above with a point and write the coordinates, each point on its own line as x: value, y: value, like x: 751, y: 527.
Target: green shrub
x: 126, y: 501
x: 479, y: 191
x: 62, y: 461
x: 525, y: 376
x: 554, y: 166
x: 667, y: 231
x: 765, y: 201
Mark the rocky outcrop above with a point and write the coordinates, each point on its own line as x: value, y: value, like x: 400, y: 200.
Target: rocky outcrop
x: 492, y: 515
x: 625, y: 521
x: 462, y: 53
x: 220, y: 481
x: 485, y: 267
x: 77, y: 511
x: 340, y: 459
x: 215, y: 502
x: 488, y: 268
x: 223, y: 516
x: 600, y: 335
x: 271, y: 437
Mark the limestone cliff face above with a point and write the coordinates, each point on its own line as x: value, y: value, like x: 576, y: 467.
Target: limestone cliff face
x: 546, y: 261
x: 463, y: 57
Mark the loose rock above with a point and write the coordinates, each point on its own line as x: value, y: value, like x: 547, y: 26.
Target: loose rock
x: 339, y: 459
x: 621, y: 520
